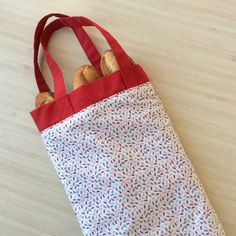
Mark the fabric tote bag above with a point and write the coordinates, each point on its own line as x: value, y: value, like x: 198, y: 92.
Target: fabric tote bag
x: 115, y: 150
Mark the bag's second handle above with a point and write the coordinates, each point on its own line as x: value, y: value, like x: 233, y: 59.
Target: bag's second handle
x: 78, y: 22
x: 85, y: 41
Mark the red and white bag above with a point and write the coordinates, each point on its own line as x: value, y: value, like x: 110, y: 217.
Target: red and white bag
x: 115, y: 150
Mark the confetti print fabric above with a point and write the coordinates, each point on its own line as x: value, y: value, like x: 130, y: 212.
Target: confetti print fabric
x: 125, y: 171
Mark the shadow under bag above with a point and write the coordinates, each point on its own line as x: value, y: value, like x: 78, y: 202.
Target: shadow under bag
x: 115, y: 150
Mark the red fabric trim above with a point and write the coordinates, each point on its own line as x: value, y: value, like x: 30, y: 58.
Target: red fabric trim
x: 66, y: 105
x: 58, y: 110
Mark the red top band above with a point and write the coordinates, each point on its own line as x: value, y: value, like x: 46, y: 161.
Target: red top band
x: 66, y: 105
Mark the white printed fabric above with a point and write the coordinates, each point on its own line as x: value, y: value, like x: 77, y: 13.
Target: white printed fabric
x: 125, y: 171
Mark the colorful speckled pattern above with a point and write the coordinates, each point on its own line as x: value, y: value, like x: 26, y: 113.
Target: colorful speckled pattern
x: 125, y: 171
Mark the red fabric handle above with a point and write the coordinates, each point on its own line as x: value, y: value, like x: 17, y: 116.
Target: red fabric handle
x: 77, y: 22
x: 41, y: 83
x: 85, y: 41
